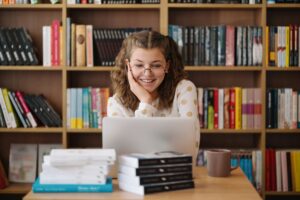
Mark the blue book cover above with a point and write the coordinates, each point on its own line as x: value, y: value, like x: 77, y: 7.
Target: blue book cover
x: 41, y: 188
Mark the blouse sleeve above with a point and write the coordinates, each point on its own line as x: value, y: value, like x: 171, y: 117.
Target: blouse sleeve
x: 145, y: 110
x: 116, y: 109
x: 188, y: 104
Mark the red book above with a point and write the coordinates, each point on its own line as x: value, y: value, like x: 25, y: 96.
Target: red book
x: 3, y: 177
x: 230, y: 51
x: 232, y: 108
x: 55, y: 51
x: 216, y: 108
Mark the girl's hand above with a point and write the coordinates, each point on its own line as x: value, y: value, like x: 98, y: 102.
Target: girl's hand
x: 141, y: 93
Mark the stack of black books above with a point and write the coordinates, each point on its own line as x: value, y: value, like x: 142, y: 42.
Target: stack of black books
x: 155, y: 172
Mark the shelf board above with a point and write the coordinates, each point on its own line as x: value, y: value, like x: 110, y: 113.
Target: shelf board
x: 16, y: 188
x: 43, y: 6
x: 283, y: 193
x: 31, y: 130
x: 95, y: 68
x: 283, y: 69
x: 85, y: 130
x: 282, y: 131
x: 233, y: 131
x: 283, y: 5
x: 221, y: 68
x: 114, y: 6
x: 29, y: 68
x: 213, y: 6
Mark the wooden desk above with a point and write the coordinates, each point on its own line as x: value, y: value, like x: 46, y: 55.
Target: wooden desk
x: 234, y: 187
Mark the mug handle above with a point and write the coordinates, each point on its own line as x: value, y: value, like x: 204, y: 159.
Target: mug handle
x: 238, y: 164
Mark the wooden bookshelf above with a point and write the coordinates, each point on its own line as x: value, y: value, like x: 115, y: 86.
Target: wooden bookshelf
x: 53, y: 82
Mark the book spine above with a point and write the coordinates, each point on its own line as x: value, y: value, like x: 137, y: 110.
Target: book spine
x: 4, y: 110
x: 26, y: 109
x: 9, y: 108
x: 169, y: 187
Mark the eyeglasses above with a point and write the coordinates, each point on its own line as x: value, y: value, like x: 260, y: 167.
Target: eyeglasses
x: 154, y: 68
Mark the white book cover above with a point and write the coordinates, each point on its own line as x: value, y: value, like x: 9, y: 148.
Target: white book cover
x: 46, y: 46
x: 98, y: 154
x: 78, y: 179
x: 43, y: 150
x: 23, y: 163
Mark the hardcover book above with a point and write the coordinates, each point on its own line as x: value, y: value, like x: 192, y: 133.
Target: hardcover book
x: 143, y: 180
x: 154, y: 159
x: 154, y: 188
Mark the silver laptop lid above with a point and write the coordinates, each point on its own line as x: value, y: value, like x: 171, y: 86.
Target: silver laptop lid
x: 146, y: 135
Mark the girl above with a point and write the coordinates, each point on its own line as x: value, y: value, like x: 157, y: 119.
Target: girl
x: 150, y: 81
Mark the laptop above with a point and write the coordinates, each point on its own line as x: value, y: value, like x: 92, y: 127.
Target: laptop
x: 148, y: 135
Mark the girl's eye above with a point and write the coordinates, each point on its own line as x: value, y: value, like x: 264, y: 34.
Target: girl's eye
x: 138, y: 66
x: 156, y: 66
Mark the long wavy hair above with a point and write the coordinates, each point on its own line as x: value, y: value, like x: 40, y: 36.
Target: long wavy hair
x: 148, y: 40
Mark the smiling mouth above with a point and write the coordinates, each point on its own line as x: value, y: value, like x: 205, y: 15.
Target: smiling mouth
x: 147, y: 81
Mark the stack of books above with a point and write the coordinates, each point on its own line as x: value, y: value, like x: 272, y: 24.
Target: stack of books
x: 156, y: 172
x: 76, y: 170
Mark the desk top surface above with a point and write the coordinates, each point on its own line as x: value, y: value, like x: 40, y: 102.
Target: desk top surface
x: 236, y: 186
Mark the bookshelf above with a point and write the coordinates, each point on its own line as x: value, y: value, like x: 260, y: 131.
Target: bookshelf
x: 53, y: 82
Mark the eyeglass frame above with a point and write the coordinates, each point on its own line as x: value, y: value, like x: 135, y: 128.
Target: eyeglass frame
x: 150, y: 68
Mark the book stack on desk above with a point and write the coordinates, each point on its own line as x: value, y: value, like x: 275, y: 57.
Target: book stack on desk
x: 156, y: 172
x: 76, y: 170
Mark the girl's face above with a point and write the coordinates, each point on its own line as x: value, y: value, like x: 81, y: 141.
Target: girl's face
x: 149, y: 68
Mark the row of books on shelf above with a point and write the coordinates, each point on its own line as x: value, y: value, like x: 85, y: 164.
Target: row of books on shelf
x: 219, y: 45
x: 218, y: 1
x: 283, y: 46
x: 282, y: 1
x: 249, y: 161
x: 113, y: 1
x: 282, y: 170
x: 10, y: 2
x: 16, y: 47
x: 86, y: 107
x: 18, y: 109
x: 282, y: 108
x: 89, y: 46
x: 230, y: 108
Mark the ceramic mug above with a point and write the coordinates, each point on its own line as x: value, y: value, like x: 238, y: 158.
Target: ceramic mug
x: 218, y: 162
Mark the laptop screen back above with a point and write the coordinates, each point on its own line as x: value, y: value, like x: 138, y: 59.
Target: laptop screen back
x: 146, y: 135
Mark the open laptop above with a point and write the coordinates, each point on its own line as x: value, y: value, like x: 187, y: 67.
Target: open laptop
x: 147, y: 135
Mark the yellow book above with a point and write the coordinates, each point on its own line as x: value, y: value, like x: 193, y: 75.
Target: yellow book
x: 272, y: 54
x: 297, y: 170
x: 293, y: 169
x: 287, y: 46
x: 238, y: 108
x: 61, y: 39
x: 9, y: 107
